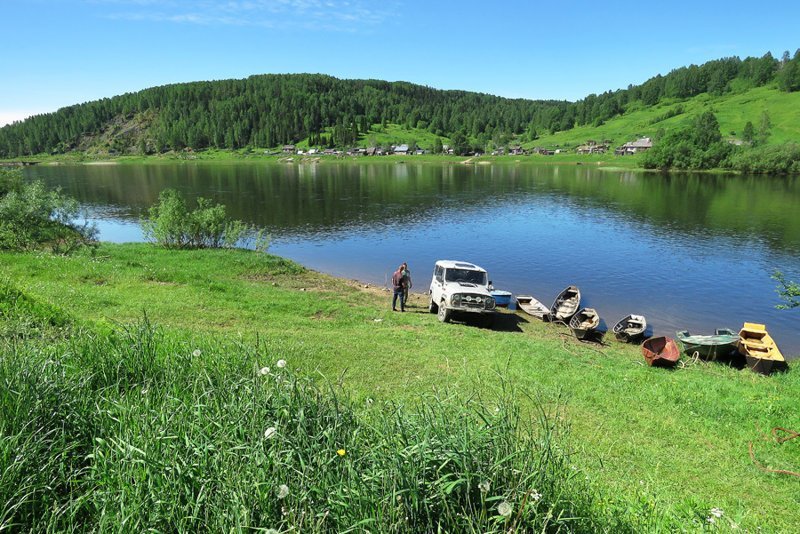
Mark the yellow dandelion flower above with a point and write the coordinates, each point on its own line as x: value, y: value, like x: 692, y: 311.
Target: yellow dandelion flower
x: 341, y: 452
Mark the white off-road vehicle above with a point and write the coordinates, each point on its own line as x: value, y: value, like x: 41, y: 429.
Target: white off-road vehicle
x: 460, y: 286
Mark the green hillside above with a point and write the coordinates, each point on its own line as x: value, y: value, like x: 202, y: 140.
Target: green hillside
x: 266, y: 111
x: 732, y: 110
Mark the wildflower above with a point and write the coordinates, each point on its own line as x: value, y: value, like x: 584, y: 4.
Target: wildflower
x: 710, y: 519
x: 716, y: 512
x: 504, y: 509
x: 484, y: 486
x: 196, y: 353
x: 281, y: 364
x: 264, y: 370
x: 283, y: 491
x: 270, y: 432
x: 341, y: 452
x: 535, y: 495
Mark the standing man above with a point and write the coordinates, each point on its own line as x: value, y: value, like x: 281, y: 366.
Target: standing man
x: 399, y: 286
x: 407, y: 282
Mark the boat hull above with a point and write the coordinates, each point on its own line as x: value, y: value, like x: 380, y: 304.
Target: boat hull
x: 566, y: 304
x: 721, y: 346
x: 585, y: 324
x: 630, y: 329
x: 533, y: 307
x: 661, y: 352
x: 760, y: 350
x: 502, y: 299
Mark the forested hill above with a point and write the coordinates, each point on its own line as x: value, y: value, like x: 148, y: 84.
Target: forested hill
x: 270, y: 110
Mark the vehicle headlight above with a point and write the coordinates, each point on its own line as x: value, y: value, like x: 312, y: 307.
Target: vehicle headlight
x: 456, y: 300
x: 489, y: 304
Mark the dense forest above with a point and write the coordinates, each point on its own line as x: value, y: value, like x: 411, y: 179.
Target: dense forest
x: 270, y: 110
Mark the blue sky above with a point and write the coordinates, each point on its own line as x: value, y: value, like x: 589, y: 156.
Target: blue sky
x: 60, y: 52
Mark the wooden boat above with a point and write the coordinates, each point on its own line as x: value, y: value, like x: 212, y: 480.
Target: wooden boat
x: 566, y: 304
x: 721, y: 345
x: 531, y: 306
x: 661, y: 352
x: 501, y: 298
x: 630, y: 328
x: 759, y: 349
x: 584, y: 324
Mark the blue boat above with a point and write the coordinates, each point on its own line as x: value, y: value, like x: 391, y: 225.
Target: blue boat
x: 501, y: 298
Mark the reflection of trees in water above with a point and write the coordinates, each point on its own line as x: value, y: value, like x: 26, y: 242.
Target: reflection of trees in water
x: 331, y: 197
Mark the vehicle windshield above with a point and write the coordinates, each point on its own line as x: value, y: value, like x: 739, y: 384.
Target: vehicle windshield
x: 465, y: 275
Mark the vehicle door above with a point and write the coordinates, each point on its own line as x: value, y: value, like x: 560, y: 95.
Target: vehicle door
x: 437, y: 283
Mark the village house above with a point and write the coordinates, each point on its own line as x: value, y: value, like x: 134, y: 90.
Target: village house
x: 591, y: 147
x: 516, y: 151
x: 402, y: 150
x: 634, y: 147
x: 288, y: 149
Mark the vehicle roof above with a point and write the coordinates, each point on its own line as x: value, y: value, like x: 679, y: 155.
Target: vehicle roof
x: 458, y: 264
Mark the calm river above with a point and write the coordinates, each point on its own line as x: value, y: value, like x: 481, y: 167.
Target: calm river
x: 687, y: 251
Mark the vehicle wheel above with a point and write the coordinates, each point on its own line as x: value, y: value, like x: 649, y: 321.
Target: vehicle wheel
x: 432, y: 307
x: 444, y: 313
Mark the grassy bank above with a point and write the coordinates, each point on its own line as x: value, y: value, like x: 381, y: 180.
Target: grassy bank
x: 233, y: 156
x: 652, y: 445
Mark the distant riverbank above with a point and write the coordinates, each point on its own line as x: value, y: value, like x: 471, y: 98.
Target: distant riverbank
x: 227, y: 156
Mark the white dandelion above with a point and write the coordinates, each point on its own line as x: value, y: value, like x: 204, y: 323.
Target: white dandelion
x: 281, y: 364
x: 270, y: 432
x: 504, y: 509
x: 283, y: 491
x: 484, y: 486
x: 716, y: 512
x: 264, y: 370
x: 535, y: 495
x: 196, y: 353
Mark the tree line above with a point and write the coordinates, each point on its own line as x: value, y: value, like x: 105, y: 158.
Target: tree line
x: 270, y: 110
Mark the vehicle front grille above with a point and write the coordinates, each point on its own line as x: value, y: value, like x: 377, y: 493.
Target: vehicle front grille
x: 476, y: 301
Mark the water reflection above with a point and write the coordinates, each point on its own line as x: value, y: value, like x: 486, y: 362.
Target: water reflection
x: 688, y: 251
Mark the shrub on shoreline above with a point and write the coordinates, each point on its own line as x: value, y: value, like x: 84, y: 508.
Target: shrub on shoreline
x: 172, y: 225
x: 32, y: 218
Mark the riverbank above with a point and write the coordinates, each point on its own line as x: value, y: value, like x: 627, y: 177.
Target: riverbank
x: 232, y: 156
x: 670, y: 442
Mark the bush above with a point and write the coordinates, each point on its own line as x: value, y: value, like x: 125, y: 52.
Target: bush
x: 172, y: 225
x: 698, y: 147
x: 770, y: 159
x: 31, y: 217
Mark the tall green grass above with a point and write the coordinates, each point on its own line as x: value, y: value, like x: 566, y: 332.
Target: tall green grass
x: 138, y: 429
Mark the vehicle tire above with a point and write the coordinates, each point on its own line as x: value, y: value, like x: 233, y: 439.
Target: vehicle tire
x: 444, y: 313
x: 432, y: 307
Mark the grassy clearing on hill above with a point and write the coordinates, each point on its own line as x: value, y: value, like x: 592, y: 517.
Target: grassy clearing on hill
x: 664, y: 447
x: 732, y: 110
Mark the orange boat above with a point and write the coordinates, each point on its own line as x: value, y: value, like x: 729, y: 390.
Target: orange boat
x: 760, y: 350
x: 661, y: 352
